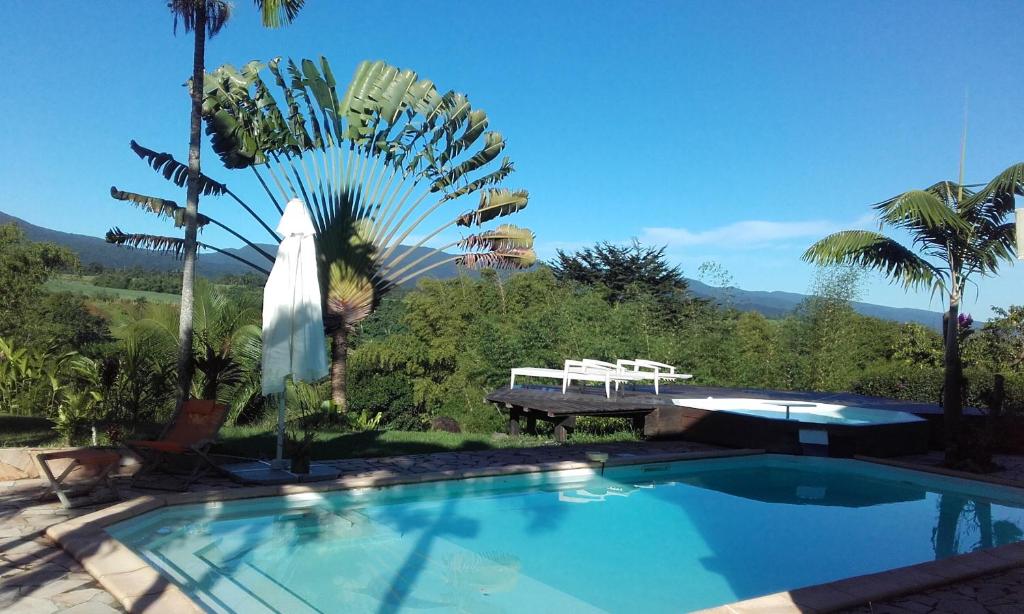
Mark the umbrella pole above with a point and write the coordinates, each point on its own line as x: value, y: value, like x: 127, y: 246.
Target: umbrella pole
x: 279, y: 459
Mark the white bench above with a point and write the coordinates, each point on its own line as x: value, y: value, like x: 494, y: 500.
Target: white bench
x: 577, y: 370
x: 650, y: 370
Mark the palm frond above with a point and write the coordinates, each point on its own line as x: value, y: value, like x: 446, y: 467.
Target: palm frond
x: 351, y: 296
x: 992, y: 245
x: 276, y: 13
x: 873, y: 250
x: 156, y: 243
x: 160, y: 206
x: 921, y: 209
x: 495, y: 203
x: 186, y: 11
x: 515, y: 258
x: 504, y: 237
x: 168, y: 245
x: 176, y: 172
x: 996, y: 199
x: 373, y: 161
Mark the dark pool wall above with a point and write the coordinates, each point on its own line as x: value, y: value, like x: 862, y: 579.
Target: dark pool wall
x: 783, y: 436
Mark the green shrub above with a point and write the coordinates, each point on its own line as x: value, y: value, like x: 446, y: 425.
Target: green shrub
x: 897, y: 380
x: 910, y: 382
x: 595, y: 425
x: 376, y: 391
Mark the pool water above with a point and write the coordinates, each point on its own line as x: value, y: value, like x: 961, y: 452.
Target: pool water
x: 801, y: 411
x: 650, y: 538
x: 800, y: 416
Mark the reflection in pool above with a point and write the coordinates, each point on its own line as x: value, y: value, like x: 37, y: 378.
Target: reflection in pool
x: 652, y: 538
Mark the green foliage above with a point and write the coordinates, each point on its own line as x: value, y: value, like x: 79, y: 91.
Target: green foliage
x: 624, y: 271
x: 226, y: 350
x: 917, y: 346
x: 137, y: 373
x: 138, y: 279
x: 900, y: 380
x: 999, y: 344
x: 96, y: 296
x: 957, y: 233
x: 61, y: 386
x: 452, y: 342
x: 34, y: 317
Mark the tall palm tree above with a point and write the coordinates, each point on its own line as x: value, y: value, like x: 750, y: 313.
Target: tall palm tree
x: 204, y: 18
x: 956, y: 233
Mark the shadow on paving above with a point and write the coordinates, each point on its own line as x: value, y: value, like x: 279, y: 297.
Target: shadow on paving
x: 341, y: 446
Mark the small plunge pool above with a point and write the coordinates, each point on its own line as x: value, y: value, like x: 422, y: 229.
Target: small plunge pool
x: 801, y: 411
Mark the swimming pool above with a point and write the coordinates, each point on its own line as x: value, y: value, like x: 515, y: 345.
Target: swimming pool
x: 654, y: 538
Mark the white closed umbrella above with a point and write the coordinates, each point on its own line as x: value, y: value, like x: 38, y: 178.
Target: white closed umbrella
x: 293, y: 325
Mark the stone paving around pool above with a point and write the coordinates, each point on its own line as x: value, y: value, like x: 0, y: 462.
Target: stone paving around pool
x: 996, y: 594
x: 38, y: 577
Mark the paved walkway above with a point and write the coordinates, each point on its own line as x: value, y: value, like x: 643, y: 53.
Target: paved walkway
x: 37, y: 577
x: 996, y: 594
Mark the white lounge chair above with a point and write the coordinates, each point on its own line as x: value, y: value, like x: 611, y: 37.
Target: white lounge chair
x: 594, y: 371
x: 577, y: 370
x: 649, y: 370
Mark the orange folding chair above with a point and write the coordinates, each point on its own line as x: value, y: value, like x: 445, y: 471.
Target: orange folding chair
x: 189, y: 436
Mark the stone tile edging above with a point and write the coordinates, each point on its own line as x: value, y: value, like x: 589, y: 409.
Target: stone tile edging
x: 881, y: 586
x: 943, y: 471
x: 140, y: 588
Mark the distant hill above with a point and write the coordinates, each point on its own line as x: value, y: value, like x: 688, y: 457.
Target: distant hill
x: 776, y: 304
x: 210, y: 264
x: 97, y: 250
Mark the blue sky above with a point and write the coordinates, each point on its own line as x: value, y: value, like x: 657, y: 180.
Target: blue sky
x: 738, y: 132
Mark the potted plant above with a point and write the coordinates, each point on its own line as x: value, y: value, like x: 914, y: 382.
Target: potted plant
x: 314, y: 414
x: 299, y: 447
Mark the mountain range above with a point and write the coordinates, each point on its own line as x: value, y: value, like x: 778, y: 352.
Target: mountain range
x: 96, y: 250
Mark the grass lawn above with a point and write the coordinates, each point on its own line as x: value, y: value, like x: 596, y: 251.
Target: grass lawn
x: 260, y: 441
x: 19, y: 431
x: 83, y: 286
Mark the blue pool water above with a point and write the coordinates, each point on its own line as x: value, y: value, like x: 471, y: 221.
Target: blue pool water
x: 651, y: 538
x: 800, y: 416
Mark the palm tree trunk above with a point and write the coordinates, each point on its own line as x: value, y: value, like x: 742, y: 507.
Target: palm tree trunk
x: 944, y: 537
x: 952, y: 402
x: 339, y: 366
x: 191, y: 210
x: 983, y: 512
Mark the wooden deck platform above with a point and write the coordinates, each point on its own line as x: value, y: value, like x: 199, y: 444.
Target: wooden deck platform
x: 657, y: 416
x: 561, y: 410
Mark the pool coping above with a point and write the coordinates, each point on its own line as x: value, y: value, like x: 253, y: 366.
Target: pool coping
x: 140, y: 587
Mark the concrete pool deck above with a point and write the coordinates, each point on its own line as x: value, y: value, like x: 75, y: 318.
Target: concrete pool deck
x: 38, y: 576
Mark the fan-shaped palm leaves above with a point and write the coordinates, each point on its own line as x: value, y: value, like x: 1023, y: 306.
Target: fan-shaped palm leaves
x: 956, y: 233
x: 373, y: 162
